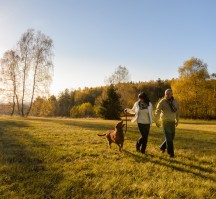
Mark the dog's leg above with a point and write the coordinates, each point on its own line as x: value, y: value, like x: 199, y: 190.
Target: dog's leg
x: 110, y: 144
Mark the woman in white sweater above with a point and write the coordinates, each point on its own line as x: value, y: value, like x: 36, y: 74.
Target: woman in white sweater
x: 144, y: 117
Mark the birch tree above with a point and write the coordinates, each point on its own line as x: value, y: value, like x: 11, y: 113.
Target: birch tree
x: 120, y: 75
x: 10, y: 75
x: 34, y: 68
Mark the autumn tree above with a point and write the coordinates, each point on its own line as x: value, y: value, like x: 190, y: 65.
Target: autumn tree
x: 87, y: 95
x: 37, y: 106
x: 74, y: 112
x: 213, y: 77
x: 83, y: 110
x: 211, y: 86
x: 49, y: 107
x: 190, y: 87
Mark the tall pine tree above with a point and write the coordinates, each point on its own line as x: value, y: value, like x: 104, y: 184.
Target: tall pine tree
x: 111, y: 107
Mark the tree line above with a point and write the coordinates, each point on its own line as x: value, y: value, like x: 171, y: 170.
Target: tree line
x: 98, y: 101
x: 195, y: 90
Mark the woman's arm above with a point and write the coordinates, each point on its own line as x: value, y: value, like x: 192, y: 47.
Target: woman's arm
x: 133, y: 110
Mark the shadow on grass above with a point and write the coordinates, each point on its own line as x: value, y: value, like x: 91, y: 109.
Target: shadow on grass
x: 12, y: 123
x: 83, y: 123
x: 174, y: 164
x: 23, y: 170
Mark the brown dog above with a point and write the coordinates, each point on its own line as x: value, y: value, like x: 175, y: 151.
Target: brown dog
x: 115, y: 136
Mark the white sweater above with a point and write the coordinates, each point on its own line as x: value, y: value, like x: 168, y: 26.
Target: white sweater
x: 135, y: 110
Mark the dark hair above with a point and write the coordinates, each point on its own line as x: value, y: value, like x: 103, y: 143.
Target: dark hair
x: 143, y: 96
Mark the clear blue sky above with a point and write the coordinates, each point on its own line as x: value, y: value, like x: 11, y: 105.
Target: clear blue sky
x: 152, y: 38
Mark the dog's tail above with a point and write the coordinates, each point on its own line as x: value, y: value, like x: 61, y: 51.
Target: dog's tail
x: 101, y: 134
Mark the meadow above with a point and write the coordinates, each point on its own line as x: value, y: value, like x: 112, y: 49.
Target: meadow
x: 64, y: 158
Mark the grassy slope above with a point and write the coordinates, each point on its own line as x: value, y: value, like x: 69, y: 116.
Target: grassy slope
x: 63, y: 158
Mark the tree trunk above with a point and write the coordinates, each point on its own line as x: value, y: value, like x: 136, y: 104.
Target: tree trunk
x: 214, y: 91
x: 23, y: 93
x: 33, y: 90
x: 196, y: 100
x: 14, y: 94
x: 13, y: 107
x: 18, y: 105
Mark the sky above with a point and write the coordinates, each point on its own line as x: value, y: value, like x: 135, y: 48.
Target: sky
x: 151, y: 38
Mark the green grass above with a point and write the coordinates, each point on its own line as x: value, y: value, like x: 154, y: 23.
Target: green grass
x: 64, y: 158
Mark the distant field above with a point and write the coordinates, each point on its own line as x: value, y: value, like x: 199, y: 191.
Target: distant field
x: 64, y: 158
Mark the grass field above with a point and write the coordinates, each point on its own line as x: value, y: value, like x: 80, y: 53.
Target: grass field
x: 64, y: 158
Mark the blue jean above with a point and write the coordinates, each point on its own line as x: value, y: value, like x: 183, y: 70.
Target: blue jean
x: 142, y: 141
x: 169, y: 132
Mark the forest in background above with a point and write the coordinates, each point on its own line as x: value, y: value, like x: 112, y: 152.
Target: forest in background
x: 86, y: 102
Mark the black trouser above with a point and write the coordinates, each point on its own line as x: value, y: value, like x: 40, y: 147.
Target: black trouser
x: 169, y: 132
x: 142, y: 141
